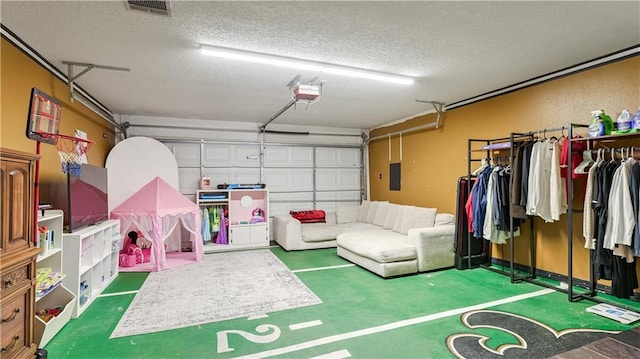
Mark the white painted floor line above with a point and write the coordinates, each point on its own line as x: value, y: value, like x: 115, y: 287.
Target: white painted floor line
x: 310, y: 324
x: 117, y: 293
x: 340, y: 354
x: 322, y: 268
x: 258, y: 316
x: 395, y: 325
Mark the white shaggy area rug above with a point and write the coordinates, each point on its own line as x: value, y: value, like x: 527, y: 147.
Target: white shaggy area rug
x: 222, y: 286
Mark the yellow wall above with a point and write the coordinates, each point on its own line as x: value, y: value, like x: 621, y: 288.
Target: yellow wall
x: 19, y: 74
x: 433, y: 160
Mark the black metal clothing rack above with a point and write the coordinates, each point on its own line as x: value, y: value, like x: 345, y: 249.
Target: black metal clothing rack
x: 486, y: 146
x: 531, y: 276
x: 484, y: 259
x: 591, y: 291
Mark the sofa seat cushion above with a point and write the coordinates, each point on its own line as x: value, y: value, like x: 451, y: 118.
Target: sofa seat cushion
x: 317, y: 232
x: 381, y: 246
x: 360, y: 227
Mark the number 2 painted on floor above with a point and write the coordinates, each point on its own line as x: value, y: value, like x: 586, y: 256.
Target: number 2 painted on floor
x: 223, y: 340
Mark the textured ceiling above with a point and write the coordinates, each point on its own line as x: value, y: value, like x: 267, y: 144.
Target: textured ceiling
x: 456, y: 49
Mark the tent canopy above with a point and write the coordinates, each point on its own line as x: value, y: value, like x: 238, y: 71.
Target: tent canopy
x: 156, y: 197
x: 156, y: 209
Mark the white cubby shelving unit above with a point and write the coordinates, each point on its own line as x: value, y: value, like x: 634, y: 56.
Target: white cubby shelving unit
x: 91, y: 260
x: 52, y: 257
x: 240, y: 204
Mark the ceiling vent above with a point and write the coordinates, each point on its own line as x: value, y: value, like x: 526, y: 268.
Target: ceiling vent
x: 150, y: 7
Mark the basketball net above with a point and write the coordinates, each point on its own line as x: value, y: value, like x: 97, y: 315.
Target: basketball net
x: 71, y: 151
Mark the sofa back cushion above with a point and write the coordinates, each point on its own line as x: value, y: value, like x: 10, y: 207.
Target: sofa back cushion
x: 381, y: 213
x: 346, y: 213
x: 392, y: 213
x: 363, y: 210
x: 417, y: 217
x: 444, y: 218
x: 371, y: 213
x: 397, y: 224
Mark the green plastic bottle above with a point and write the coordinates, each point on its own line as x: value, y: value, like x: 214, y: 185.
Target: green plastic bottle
x: 602, y: 124
x: 609, y: 126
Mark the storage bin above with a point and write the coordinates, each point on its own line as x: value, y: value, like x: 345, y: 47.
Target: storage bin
x: 59, y: 296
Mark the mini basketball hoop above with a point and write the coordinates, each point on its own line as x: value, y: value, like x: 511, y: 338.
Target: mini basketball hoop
x: 70, y: 149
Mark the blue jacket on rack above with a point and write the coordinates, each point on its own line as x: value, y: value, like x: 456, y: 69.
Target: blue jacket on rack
x: 479, y: 201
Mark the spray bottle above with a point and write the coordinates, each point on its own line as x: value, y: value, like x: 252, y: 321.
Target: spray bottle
x: 602, y: 124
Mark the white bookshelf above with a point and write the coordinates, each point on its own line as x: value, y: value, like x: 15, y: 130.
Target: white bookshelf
x: 52, y: 257
x: 91, y: 258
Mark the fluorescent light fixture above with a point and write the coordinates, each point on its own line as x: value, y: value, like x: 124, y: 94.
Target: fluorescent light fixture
x: 281, y: 61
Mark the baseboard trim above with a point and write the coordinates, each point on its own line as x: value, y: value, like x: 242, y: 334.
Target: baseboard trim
x: 601, y: 288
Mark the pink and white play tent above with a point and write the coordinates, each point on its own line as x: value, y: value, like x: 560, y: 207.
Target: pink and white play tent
x: 165, y: 216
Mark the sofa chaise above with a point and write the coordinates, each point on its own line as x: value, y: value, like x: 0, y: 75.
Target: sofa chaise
x: 385, y: 238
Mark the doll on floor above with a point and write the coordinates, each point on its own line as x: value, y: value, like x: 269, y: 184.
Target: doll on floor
x: 131, y: 247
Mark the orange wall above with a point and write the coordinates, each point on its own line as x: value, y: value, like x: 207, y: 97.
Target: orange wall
x: 19, y: 74
x: 433, y: 160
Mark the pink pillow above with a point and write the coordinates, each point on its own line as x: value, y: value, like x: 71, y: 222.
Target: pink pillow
x: 133, y: 249
x: 126, y: 244
x: 127, y: 260
x: 146, y: 255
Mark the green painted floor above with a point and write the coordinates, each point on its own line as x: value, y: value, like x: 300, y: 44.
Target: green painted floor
x: 362, y: 315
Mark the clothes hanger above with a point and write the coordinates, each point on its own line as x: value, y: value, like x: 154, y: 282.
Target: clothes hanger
x: 483, y: 165
x: 600, y: 158
x: 587, y: 161
x: 613, y: 155
x: 562, y: 133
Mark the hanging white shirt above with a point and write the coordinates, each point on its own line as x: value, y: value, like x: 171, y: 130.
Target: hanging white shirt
x: 587, y: 214
x: 557, y: 185
x: 620, y: 219
x: 532, y: 194
x: 542, y: 181
x: 490, y: 229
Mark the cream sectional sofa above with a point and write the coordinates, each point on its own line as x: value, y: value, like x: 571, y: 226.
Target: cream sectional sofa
x: 385, y: 238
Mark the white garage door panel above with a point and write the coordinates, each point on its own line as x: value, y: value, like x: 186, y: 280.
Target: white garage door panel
x: 338, y: 157
x: 301, y: 155
x: 275, y: 180
x: 187, y: 154
x: 289, y: 179
x: 281, y: 156
x: 334, y: 196
x: 232, y: 175
x: 245, y: 155
x: 246, y: 175
x: 221, y: 155
x: 278, y: 209
x: 284, y: 197
x: 276, y: 156
x: 332, y: 179
x: 326, y: 179
x: 282, y: 209
x: 350, y: 157
x: 217, y: 155
x: 189, y: 180
x: 299, y: 177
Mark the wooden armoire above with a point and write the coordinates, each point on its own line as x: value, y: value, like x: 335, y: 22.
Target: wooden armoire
x: 17, y: 254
